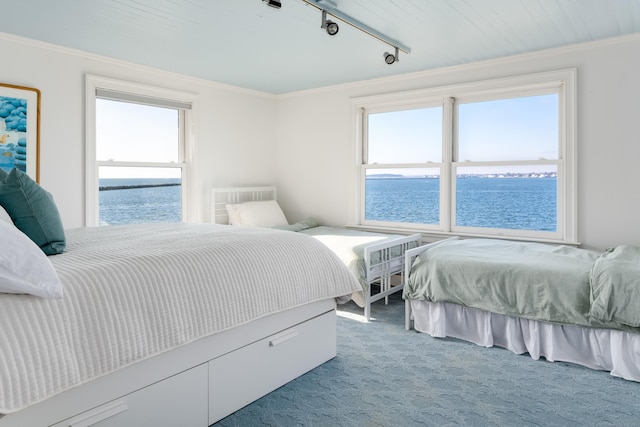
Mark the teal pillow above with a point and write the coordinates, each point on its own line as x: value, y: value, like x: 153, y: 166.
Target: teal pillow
x: 32, y: 210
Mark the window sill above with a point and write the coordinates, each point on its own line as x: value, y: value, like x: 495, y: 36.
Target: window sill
x: 429, y: 236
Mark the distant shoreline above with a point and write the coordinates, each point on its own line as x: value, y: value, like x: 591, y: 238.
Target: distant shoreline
x: 492, y: 175
x: 129, y: 187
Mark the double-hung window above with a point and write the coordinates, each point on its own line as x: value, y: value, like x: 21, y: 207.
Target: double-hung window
x: 136, y: 153
x: 492, y: 158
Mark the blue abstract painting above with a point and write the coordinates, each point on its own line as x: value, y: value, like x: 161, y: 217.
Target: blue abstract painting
x: 13, y: 133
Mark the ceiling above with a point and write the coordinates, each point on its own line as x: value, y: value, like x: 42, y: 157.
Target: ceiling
x: 248, y: 44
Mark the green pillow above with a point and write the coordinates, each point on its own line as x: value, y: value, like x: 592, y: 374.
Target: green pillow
x: 32, y: 210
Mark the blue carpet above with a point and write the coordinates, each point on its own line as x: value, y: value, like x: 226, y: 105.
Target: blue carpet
x: 387, y: 376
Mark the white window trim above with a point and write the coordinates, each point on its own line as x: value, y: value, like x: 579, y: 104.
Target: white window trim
x: 526, y: 85
x: 93, y: 83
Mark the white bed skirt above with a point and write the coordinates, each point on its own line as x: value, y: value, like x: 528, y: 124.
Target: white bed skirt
x: 604, y: 349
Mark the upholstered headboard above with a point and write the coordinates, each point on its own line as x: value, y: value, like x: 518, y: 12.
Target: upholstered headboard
x: 230, y: 195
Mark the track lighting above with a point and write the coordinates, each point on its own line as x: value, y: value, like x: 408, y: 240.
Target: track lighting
x: 329, y: 7
x: 328, y: 25
x: 390, y: 58
x: 273, y: 3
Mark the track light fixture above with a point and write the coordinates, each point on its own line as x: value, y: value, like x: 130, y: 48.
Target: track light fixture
x: 328, y: 25
x: 390, y: 58
x: 276, y: 4
x: 329, y: 7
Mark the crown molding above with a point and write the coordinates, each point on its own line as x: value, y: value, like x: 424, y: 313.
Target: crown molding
x: 131, y: 65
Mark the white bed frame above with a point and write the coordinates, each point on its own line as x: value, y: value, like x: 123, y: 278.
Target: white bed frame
x: 388, y: 272
x: 199, y: 383
x: 617, y: 352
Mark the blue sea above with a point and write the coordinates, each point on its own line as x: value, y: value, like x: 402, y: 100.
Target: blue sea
x: 127, y: 201
x: 507, y: 203
x: 514, y: 203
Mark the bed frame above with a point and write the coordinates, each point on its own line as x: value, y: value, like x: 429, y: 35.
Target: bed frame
x: 199, y: 383
x: 617, y: 352
x: 387, y: 273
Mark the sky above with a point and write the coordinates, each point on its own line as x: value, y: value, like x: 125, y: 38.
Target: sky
x: 523, y: 128
x: 134, y: 132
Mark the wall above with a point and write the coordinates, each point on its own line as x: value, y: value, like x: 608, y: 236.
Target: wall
x: 234, y: 128
x: 304, y: 141
x: 316, y: 148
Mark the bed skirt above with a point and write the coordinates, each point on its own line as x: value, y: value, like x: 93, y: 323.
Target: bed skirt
x: 603, y: 349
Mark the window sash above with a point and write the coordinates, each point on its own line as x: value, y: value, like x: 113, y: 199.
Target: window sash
x: 98, y: 87
x: 561, y: 83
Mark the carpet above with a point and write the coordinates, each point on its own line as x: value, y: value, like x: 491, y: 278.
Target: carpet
x: 384, y: 375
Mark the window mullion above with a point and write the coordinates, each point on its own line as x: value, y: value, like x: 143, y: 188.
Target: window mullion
x: 447, y: 182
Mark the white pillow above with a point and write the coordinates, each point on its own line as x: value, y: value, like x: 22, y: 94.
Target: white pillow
x: 256, y: 214
x: 4, y: 216
x: 24, y: 268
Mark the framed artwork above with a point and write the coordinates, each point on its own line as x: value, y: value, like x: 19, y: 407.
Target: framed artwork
x: 20, y: 129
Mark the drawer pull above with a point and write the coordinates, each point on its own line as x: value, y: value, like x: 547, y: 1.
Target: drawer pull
x: 100, y: 414
x: 282, y: 338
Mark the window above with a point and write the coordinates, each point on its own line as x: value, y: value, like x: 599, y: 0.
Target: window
x: 491, y: 158
x: 136, y: 153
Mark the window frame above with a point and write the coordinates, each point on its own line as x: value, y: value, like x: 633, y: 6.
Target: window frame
x: 135, y: 91
x: 562, y: 82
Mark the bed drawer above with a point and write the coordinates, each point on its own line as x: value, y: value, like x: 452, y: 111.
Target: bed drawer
x: 246, y: 374
x: 180, y: 400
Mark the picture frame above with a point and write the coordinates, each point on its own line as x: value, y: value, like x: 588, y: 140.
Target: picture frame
x: 20, y: 129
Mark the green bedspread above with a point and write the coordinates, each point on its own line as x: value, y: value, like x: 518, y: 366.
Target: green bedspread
x: 529, y: 280
x: 615, y: 287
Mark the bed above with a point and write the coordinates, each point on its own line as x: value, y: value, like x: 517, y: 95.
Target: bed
x: 557, y: 302
x: 375, y: 259
x: 165, y: 324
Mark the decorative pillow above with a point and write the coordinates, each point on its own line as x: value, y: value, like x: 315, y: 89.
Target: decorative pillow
x: 33, y: 211
x: 24, y: 269
x: 256, y: 214
x: 4, y: 216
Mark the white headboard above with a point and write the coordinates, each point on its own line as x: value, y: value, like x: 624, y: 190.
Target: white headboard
x: 231, y: 195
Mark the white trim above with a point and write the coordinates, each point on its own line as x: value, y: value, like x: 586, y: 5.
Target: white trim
x: 92, y: 85
x: 375, y: 82
x: 170, y: 76
x: 497, y: 63
x: 562, y: 82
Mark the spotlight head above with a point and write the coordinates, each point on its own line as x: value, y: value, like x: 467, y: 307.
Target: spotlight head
x: 389, y: 58
x: 276, y: 4
x: 328, y: 25
x: 332, y: 28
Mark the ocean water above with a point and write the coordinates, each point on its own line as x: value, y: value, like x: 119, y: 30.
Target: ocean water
x: 128, y: 201
x: 507, y: 203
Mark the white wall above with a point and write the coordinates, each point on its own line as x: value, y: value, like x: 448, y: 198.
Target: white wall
x: 234, y: 128
x: 316, y: 150
x: 304, y: 142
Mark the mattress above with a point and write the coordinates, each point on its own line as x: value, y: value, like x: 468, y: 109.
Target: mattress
x: 132, y: 292
x: 349, y: 246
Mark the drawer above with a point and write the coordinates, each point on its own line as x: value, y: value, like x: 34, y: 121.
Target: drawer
x: 244, y: 375
x: 180, y: 400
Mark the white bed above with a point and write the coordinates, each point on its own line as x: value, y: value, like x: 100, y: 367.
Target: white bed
x: 167, y: 325
x: 614, y: 348
x: 374, y: 258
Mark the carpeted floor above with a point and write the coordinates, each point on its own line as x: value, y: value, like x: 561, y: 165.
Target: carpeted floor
x: 387, y: 376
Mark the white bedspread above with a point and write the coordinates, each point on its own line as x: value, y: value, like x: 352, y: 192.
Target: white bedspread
x: 131, y: 292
